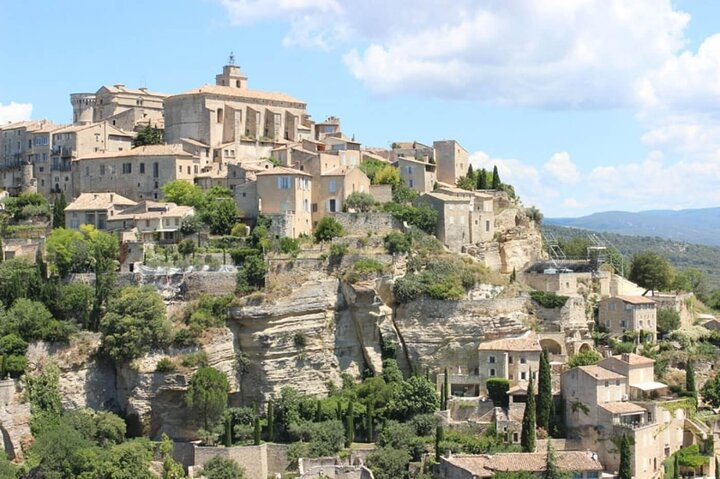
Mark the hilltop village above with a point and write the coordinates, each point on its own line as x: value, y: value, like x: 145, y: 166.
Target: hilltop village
x: 212, y: 284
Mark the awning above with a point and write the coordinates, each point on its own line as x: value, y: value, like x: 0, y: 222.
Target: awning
x: 649, y: 386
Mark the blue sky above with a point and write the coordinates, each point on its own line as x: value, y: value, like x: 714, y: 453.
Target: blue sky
x: 585, y: 105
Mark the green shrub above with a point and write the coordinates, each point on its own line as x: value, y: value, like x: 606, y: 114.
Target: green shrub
x: 239, y: 230
x: 360, y: 201
x: 327, y: 229
x: 299, y: 340
x: 407, y: 289
x: 548, y: 299
x: 396, y: 242
x: 289, y: 246
x: 195, y: 360
x: 338, y: 250
x: 497, y: 391
x: 165, y: 365
x: 584, y: 358
x: 365, y: 266
x: 239, y: 255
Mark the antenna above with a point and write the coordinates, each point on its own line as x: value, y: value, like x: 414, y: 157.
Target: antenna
x: 231, y: 60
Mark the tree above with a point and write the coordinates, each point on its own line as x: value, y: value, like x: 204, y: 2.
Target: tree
x: 148, y: 135
x: 676, y: 466
x: 497, y: 389
x: 360, y: 201
x: 388, y: 463
x: 446, y: 385
x: 220, y: 214
x: 184, y: 193
x: 470, y: 173
x: 104, y: 251
x: 690, y: 377
x: 349, y: 425
x: 544, y: 403
x: 171, y: 468
x: 67, y: 251
x: 135, y: 322
x: 396, y: 242
x: 222, y: 468
x: 651, y: 271
x: 584, y: 358
x: 625, y: 458
x: 439, y: 434
x: 482, y: 180
x: 19, y: 278
x: 496, y: 183
x: 31, y: 320
x: 58, y: 218
x: 256, y: 430
x: 388, y: 175
x: 73, y: 302
x: 552, y: 471
x: 415, y: 395
x: 527, y: 434
x: 186, y: 247
x: 327, y: 229
x: 371, y: 166
x: 466, y: 183
x: 691, y: 280
x: 207, y: 394
x: 403, y: 195
x: 534, y: 214
x: 668, y: 320
x: 270, y: 422
x: 251, y: 275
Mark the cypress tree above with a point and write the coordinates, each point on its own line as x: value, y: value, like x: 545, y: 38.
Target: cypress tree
x: 338, y: 411
x: 625, y: 453
x: 551, y: 468
x: 439, y: 436
x: 527, y: 435
x: 496, y: 179
x: 349, y: 425
x: 370, y: 421
x: 58, y: 213
x: 228, y: 431
x: 447, y: 389
x: 690, y: 376
x: 513, y: 275
x: 318, y: 411
x: 544, y: 392
x: 270, y: 422
x: 470, y: 172
x: 443, y: 400
x: 717, y: 468
x: 482, y: 180
x: 257, y: 430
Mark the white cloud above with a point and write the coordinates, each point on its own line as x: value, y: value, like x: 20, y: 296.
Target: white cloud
x: 561, y: 167
x: 546, y: 53
x: 15, y: 112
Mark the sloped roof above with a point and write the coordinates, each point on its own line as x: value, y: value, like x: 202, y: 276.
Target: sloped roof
x: 633, y: 359
x: 600, y: 373
x: 484, y: 465
x: 527, y: 342
x: 282, y: 170
x: 241, y: 93
x: 147, y: 150
x: 636, y: 299
x: 98, y: 201
x: 622, y: 407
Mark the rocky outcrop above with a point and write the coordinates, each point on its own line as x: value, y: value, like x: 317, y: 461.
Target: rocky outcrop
x: 519, y: 239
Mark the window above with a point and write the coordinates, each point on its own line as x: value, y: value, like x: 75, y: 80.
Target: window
x: 332, y: 206
x: 491, y: 359
x: 516, y: 438
x: 411, y: 183
x: 102, y: 170
x: 219, y: 115
x: 142, y: 168
x: 147, y: 223
x: 332, y: 186
x: 487, y: 225
x: 492, y: 373
x: 87, y: 171
x: 607, y: 384
x: 523, y: 360
x: 306, y: 203
x: 284, y: 182
x: 510, y: 359
x: 314, y: 208
x: 617, y: 382
x: 409, y: 170
x: 156, y: 170
x: 179, y: 168
x: 523, y: 376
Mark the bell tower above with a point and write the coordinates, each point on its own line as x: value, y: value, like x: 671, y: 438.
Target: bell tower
x: 231, y: 75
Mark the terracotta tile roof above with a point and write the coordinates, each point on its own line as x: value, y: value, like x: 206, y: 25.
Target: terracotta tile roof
x: 190, y: 141
x: 622, y: 407
x: 633, y: 359
x: 239, y: 93
x: 98, y: 201
x: 636, y: 299
x: 486, y: 465
x: 527, y: 342
x: 445, y: 198
x: 132, y: 91
x: 601, y: 373
x: 281, y: 170
x: 147, y: 150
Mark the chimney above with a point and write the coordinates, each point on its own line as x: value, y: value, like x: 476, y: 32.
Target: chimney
x: 112, y: 197
x: 119, y: 85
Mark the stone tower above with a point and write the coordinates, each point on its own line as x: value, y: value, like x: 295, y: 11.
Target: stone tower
x: 231, y: 75
x: 83, y: 107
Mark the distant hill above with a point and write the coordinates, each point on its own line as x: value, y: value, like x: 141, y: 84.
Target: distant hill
x: 681, y: 255
x: 701, y: 226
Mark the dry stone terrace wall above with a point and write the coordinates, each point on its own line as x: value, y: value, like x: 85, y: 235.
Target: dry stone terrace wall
x: 362, y: 224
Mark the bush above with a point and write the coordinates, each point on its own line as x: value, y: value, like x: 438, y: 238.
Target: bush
x: 239, y: 230
x: 497, y: 391
x: 584, y: 358
x: 396, y: 242
x: 251, y: 276
x: 365, y: 266
x: 289, y: 246
x: 327, y: 229
x: 299, y: 340
x: 360, y: 201
x: 548, y: 299
x: 338, y: 250
x: 407, y: 289
x: 668, y: 320
x: 222, y: 468
x: 194, y: 360
x: 165, y: 365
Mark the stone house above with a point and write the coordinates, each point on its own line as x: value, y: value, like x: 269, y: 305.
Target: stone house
x: 514, y: 359
x: 137, y: 173
x: 153, y: 222
x: 229, y: 112
x: 333, y: 187
x: 122, y: 107
x: 76, y: 141
x: 96, y: 209
x: 579, y: 464
x: 285, y: 194
x: 418, y: 175
x: 329, y: 127
x: 482, y: 212
x: 453, y: 227
x: 619, y: 396
x: 412, y: 150
x: 452, y: 161
x: 628, y: 313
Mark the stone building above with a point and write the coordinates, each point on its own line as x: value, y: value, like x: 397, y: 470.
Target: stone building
x: 23, y: 145
x: 122, y: 107
x: 628, y: 313
x: 514, y: 359
x: 231, y: 113
x: 95, y: 209
x: 152, y: 221
x: 619, y: 396
x: 577, y: 464
x: 452, y: 161
x: 76, y: 141
x: 418, y: 175
x: 137, y: 173
x: 285, y: 195
x: 332, y: 188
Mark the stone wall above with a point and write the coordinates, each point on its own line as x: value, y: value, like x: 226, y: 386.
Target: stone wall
x: 258, y: 461
x: 381, y: 193
x: 571, y: 316
x: 363, y: 223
